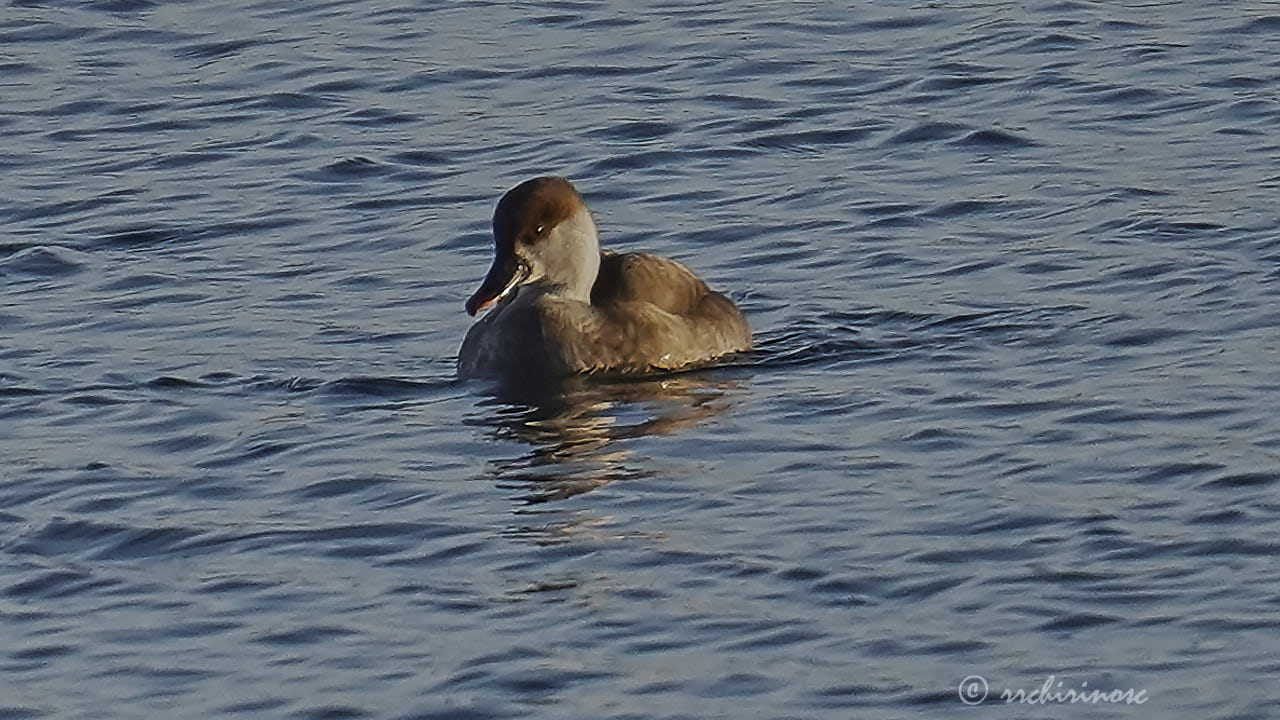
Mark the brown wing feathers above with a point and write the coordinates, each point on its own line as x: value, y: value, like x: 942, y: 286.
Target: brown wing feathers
x: 640, y: 277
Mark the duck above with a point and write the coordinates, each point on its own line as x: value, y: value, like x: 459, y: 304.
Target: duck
x: 558, y: 306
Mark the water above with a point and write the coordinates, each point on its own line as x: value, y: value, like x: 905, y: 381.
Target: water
x: 1011, y: 269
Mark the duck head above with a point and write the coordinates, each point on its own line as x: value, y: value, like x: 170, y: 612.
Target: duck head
x: 542, y: 233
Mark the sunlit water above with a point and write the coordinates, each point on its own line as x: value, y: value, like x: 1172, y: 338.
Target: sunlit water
x: 1012, y: 271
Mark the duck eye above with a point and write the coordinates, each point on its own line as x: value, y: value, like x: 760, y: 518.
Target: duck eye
x: 539, y: 229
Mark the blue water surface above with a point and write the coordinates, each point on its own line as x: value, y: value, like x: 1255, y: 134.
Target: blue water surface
x: 1012, y: 270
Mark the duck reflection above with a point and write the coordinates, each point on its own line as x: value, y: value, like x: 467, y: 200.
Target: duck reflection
x: 581, y: 434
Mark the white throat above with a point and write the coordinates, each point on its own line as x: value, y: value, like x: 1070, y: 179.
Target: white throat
x: 568, y: 260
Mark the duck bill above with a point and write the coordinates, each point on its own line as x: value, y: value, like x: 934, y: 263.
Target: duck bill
x: 504, y: 276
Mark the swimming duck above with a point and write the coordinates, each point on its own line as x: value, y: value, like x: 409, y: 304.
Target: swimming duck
x: 560, y: 306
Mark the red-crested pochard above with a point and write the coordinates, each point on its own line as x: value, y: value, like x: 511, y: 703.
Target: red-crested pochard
x: 560, y: 306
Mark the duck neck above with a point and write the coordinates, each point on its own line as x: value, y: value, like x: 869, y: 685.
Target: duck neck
x: 575, y: 273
